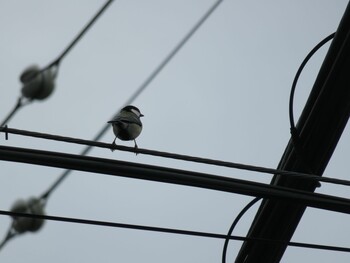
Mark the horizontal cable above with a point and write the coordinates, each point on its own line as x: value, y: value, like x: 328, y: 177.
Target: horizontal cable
x: 170, y: 230
x: 173, y: 176
x: 240, y: 166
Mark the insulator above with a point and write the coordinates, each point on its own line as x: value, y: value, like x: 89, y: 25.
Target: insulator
x: 31, y: 206
x: 37, y: 84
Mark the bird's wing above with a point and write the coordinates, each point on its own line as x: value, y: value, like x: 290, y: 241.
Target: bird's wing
x: 126, y: 120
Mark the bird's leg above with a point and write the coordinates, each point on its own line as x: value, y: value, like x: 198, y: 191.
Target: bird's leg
x: 136, y: 147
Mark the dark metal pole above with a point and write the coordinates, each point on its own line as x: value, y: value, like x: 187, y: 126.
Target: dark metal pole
x: 319, y: 128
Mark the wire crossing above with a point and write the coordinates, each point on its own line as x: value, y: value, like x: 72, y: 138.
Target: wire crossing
x: 140, y: 89
x: 133, y: 97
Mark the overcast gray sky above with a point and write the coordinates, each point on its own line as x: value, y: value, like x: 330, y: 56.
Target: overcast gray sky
x: 224, y: 96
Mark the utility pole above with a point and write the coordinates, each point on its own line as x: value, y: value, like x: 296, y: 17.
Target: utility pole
x: 319, y: 129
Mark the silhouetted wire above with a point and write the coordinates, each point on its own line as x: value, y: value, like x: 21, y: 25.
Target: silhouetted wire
x: 235, y: 222
x: 57, y: 61
x: 170, y: 230
x: 137, y: 93
x: 19, y: 104
x: 293, y: 129
x: 10, y: 234
x: 175, y: 156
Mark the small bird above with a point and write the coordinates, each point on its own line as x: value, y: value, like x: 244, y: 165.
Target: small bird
x: 127, y: 124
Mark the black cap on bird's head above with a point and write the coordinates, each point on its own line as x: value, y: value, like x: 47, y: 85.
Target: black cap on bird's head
x: 133, y: 109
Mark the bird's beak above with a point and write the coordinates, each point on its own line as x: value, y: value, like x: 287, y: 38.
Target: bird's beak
x: 141, y: 115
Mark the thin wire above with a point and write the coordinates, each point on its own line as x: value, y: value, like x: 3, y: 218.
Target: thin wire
x: 174, y: 51
x: 19, y: 104
x: 235, y: 222
x: 138, y: 92
x: 293, y: 129
x: 170, y: 230
x: 10, y: 234
x: 57, y: 61
x: 175, y: 156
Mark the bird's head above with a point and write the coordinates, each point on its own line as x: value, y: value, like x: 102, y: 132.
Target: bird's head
x: 133, y: 109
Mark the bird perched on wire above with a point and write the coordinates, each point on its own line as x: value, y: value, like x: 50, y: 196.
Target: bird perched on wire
x: 127, y: 124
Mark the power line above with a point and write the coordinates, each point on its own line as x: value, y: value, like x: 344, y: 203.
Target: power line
x: 169, y: 230
x: 57, y: 61
x: 177, y: 48
x: 9, y: 235
x: 182, y: 157
x: 19, y: 104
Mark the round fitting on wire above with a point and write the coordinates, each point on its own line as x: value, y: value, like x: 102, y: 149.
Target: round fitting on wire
x: 31, y: 206
x: 37, y: 84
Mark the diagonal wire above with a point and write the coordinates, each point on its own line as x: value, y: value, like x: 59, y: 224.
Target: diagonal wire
x: 10, y: 234
x: 57, y: 61
x: 19, y: 104
x: 174, y: 51
x: 137, y: 93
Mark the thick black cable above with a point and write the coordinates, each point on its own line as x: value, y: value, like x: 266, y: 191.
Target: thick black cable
x: 169, y: 230
x: 293, y: 129
x: 235, y: 222
x: 182, y: 157
x: 173, y: 176
x: 138, y: 92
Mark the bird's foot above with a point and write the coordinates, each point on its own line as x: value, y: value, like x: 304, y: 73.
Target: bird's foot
x: 113, y: 146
